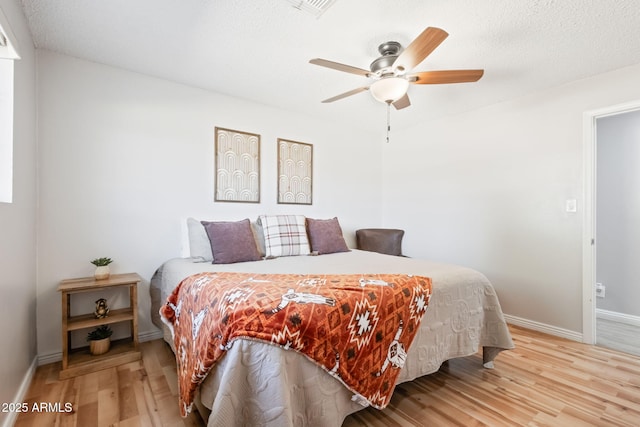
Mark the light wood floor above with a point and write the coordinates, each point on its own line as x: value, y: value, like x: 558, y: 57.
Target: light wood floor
x: 141, y: 393
x: 545, y: 381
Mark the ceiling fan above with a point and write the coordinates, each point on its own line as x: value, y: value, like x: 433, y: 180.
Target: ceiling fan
x: 391, y: 75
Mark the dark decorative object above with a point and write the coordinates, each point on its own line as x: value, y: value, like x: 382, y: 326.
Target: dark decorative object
x: 102, y: 309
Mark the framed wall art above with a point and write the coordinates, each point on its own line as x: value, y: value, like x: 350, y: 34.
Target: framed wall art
x: 237, y: 166
x: 295, y: 172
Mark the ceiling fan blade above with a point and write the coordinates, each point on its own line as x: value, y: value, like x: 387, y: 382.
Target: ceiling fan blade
x: 340, y: 67
x: 402, y: 102
x: 445, y: 76
x: 420, y: 48
x: 344, y: 95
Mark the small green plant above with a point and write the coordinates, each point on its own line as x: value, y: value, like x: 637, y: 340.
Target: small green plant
x: 99, y: 333
x: 101, y: 262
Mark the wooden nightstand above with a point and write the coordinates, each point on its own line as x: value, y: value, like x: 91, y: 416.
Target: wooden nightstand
x: 80, y: 361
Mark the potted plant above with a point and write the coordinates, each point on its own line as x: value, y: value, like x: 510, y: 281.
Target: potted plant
x: 102, y: 267
x: 99, y: 340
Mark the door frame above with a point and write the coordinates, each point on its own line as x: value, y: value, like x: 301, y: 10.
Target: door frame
x: 589, y: 214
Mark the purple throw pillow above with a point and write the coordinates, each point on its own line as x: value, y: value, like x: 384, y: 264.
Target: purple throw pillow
x: 232, y: 241
x: 325, y: 236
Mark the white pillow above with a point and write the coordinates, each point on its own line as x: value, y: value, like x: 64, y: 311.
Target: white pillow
x: 199, y: 244
x: 259, y: 235
x: 284, y: 235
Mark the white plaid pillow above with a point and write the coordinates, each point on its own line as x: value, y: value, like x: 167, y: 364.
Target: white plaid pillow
x: 284, y: 235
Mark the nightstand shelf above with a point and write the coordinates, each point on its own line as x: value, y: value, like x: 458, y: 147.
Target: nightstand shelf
x: 89, y: 320
x: 79, y: 361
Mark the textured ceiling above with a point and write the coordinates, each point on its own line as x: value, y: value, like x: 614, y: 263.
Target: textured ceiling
x: 259, y: 50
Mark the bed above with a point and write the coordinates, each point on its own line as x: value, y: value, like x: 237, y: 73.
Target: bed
x: 256, y: 383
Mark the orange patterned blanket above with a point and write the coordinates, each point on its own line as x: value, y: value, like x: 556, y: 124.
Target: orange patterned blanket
x: 357, y: 327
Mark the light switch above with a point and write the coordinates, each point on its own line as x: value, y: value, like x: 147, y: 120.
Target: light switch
x: 571, y: 205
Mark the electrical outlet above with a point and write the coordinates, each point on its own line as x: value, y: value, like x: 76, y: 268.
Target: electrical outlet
x: 600, y: 290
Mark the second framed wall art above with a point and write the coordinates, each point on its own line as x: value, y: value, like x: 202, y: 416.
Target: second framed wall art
x: 295, y: 172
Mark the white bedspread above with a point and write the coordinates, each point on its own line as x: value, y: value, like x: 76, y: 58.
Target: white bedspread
x: 260, y: 384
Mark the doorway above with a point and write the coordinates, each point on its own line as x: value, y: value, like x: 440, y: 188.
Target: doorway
x: 611, y: 212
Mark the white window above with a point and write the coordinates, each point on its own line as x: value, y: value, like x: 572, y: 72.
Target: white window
x: 8, y: 54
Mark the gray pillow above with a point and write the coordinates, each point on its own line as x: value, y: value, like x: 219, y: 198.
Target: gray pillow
x: 232, y: 241
x: 325, y: 236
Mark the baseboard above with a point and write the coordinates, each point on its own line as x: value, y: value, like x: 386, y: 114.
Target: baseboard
x: 543, y: 327
x: 150, y: 336
x: 627, y: 319
x: 44, y: 359
x: 22, y: 392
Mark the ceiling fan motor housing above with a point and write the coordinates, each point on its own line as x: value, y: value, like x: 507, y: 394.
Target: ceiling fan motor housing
x: 389, y: 51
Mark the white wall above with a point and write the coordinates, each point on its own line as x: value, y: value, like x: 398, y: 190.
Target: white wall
x: 18, y: 225
x: 487, y: 189
x: 618, y: 212
x: 126, y: 158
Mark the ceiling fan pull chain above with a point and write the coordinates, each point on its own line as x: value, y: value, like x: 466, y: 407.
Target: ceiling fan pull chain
x: 388, y: 119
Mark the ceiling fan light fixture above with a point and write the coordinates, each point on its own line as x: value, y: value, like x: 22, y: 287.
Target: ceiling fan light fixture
x: 389, y: 89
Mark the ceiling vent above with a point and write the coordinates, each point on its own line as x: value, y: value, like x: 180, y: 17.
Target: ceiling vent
x: 314, y: 7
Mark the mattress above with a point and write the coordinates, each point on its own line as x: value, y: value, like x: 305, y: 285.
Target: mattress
x: 256, y: 383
